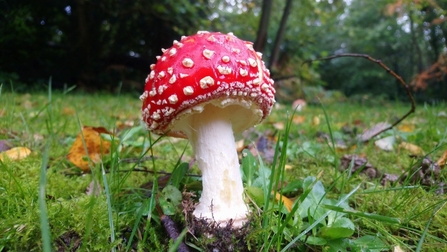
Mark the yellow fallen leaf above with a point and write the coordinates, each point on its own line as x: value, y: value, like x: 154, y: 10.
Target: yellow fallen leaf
x: 315, y: 121
x: 298, y: 119
x: 286, y: 201
x: 288, y: 167
x: 442, y: 161
x: 414, y: 149
x: 96, y: 147
x: 405, y: 127
x: 15, y: 153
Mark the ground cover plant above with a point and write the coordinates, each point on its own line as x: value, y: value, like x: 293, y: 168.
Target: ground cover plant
x: 311, y: 184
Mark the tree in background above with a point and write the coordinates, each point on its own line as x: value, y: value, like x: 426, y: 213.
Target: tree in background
x: 91, y: 43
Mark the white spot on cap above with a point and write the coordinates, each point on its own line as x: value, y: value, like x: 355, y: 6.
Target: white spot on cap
x: 254, y: 95
x: 170, y: 70
x: 252, y: 62
x: 182, y: 38
x: 264, y: 86
x: 243, y: 62
x: 157, y: 57
x: 163, y: 50
x: 224, y: 70
x: 161, y: 88
x: 163, y: 58
x: 235, y: 50
x: 173, y: 99
x: 256, y: 81
x: 211, y: 38
x: 259, y: 54
x: 243, y: 72
x: 172, y: 79
x: 176, y: 43
x: 202, y: 32
x: 155, y: 116
x: 187, y: 62
x: 161, y: 74
x: 144, y: 95
x: 151, y: 75
x: 250, y: 46
x: 206, y: 82
x: 208, y: 53
x: 152, y: 93
x: 172, y: 52
x: 182, y: 75
x: 152, y: 66
x: 226, y: 59
x: 230, y: 33
x: 188, y: 90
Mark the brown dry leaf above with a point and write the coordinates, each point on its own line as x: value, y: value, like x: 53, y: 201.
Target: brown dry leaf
x: 405, y: 127
x: 96, y: 147
x: 68, y: 111
x: 442, y: 161
x: 2, y: 112
x: 288, y: 203
x: 414, y: 149
x: 315, y: 121
x: 16, y: 153
x: 298, y: 119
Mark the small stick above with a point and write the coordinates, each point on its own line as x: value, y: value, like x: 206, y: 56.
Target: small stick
x: 171, y: 229
x: 388, y: 70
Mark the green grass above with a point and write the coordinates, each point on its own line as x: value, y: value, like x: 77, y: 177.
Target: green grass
x: 45, y: 205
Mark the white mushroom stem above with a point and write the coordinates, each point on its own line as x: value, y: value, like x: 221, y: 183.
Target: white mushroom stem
x: 211, y: 136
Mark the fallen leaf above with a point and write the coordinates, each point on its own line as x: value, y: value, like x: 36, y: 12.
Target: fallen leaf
x: 286, y: 201
x: 412, y: 148
x: 386, y: 143
x: 278, y: 125
x: 315, y: 121
x: 442, y: 161
x: 16, y: 153
x: 371, y: 132
x: 68, y: 111
x: 288, y: 167
x: 405, y: 127
x: 96, y: 147
x: 298, y: 119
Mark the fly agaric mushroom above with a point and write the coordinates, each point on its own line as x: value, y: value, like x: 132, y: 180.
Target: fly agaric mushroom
x: 206, y: 87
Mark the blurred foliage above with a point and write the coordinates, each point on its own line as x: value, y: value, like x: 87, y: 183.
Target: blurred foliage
x: 100, y: 44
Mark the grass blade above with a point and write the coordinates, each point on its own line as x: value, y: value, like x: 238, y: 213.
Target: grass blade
x: 44, y: 225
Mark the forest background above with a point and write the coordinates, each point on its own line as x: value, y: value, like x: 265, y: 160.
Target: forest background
x: 108, y: 45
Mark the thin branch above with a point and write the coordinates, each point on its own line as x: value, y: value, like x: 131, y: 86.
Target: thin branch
x: 388, y: 70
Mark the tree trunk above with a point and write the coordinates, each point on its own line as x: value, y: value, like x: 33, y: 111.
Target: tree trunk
x: 280, y: 34
x: 261, y: 37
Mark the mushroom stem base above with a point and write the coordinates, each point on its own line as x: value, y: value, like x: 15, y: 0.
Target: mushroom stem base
x: 211, y: 136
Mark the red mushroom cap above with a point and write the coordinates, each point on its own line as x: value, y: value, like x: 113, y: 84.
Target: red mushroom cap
x: 208, y: 67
